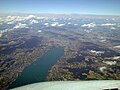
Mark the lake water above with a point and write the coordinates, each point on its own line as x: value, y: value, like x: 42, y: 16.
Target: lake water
x: 37, y: 71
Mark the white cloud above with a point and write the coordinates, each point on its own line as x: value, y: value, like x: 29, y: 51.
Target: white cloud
x: 102, y: 68
x: 40, y: 17
x: 54, y: 19
x: 46, y: 24
x: 110, y: 62
x: 3, y: 31
x: 113, y: 19
x: 97, y: 52
x: 113, y: 28
x: 69, y: 22
x: 54, y: 24
x: 20, y: 25
x: 88, y: 31
x: 11, y: 22
x: 30, y: 16
x: 14, y: 19
x: 116, y: 57
x: 39, y: 31
x: 10, y: 17
x: 108, y: 24
x: 61, y: 25
x: 75, y: 24
x: 89, y: 25
x: 117, y: 46
x: 20, y: 19
x: 0, y: 34
x: 103, y: 40
x: 33, y: 21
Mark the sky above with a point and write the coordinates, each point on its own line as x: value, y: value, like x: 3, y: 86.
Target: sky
x: 99, y: 7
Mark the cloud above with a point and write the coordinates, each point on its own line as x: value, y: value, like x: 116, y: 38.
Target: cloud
x: 88, y: 31
x: 110, y: 62
x: 57, y: 24
x: 11, y: 17
x: 46, y: 24
x: 69, y: 22
x: 30, y: 16
x: 33, y: 21
x: 3, y: 31
x: 54, y: 24
x: 14, y: 19
x: 116, y: 57
x: 69, y: 18
x: 113, y: 28
x: 39, y: 31
x: 11, y: 22
x: 108, y: 24
x: 97, y: 52
x: 0, y: 35
x: 102, y: 68
x: 20, y: 25
x: 75, y: 24
x: 117, y: 46
x: 61, y: 25
x: 89, y: 25
x: 103, y: 40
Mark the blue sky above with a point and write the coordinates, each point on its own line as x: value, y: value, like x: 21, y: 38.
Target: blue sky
x: 101, y: 7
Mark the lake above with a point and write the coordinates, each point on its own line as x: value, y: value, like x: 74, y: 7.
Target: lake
x: 38, y: 70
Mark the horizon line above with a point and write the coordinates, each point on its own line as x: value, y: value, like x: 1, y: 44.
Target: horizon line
x: 59, y: 13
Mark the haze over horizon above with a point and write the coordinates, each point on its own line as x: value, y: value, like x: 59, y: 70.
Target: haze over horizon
x: 98, y: 7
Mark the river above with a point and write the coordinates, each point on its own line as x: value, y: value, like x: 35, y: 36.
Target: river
x: 38, y: 70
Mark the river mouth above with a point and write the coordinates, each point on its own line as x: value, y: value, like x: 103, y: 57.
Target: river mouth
x: 38, y: 70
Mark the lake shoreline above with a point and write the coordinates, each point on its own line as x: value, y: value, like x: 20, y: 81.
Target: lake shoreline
x: 37, y: 60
